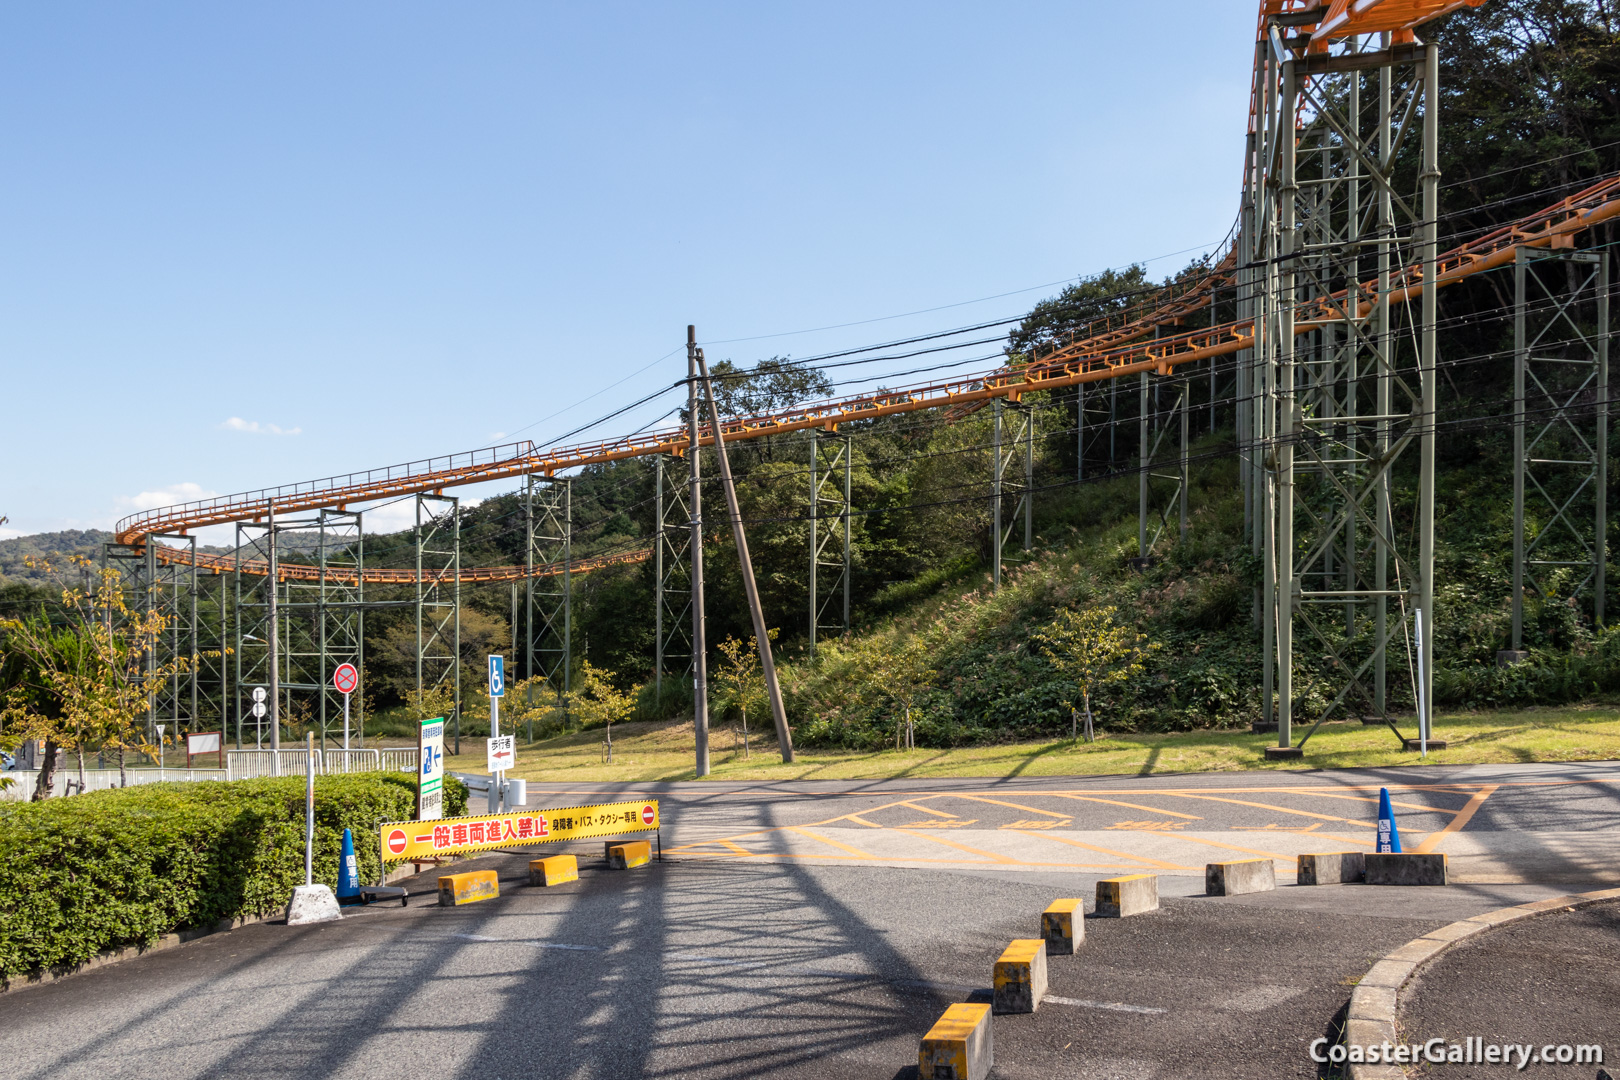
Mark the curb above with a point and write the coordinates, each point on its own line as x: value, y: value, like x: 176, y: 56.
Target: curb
x: 1373, y: 1006
x: 130, y: 952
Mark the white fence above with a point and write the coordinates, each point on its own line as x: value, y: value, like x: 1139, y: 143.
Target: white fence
x: 66, y: 779
x: 239, y: 765
x: 251, y: 764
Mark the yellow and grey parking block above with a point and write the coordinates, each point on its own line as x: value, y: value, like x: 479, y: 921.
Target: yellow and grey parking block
x: 1239, y: 876
x: 1020, y: 976
x: 959, y: 1046
x: 1063, y: 925
x: 554, y: 870
x: 468, y: 888
x: 1331, y: 868
x: 628, y: 856
x: 1132, y: 894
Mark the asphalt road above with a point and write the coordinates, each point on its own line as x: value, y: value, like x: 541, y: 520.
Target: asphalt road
x: 772, y: 964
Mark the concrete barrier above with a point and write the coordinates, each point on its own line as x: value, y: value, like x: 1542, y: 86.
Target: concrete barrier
x: 1132, y: 894
x: 468, y: 888
x: 1331, y: 868
x: 628, y: 856
x: 1063, y: 925
x: 959, y: 1046
x: 1239, y: 877
x: 1020, y: 976
x: 1406, y: 868
x: 553, y: 871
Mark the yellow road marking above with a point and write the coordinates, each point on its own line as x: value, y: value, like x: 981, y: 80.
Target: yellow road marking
x: 1370, y: 799
x: 831, y: 843
x: 927, y: 809
x: 1464, y: 816
x: 1234, y: 847
x: 738, y: 848
x: 963, y: 847
x: 861, y: 820
x: 1108, y: 851
x: 1131, y: 805
x: 1279, y: 809
x: 1013, y: 805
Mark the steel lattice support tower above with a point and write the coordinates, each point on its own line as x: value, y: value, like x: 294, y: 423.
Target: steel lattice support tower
x: 1004, y: 452
x: 1155, y: 504
x: 672, y: 570
x: 549, y: 526
x: 1560, y: 430
x: 830, y: 465
x: 438, y: 600
x: 1335, y: 410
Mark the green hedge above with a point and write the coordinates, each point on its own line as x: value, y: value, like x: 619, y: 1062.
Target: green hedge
x: 124, y: 867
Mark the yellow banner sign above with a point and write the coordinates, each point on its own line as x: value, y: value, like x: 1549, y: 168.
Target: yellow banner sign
x: 466, y: 835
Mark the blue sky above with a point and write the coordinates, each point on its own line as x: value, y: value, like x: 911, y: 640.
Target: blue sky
x: 251, y: 244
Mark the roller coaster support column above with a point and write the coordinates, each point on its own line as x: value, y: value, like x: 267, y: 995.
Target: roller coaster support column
x: 1565, y: 460
x: 694, y: 465
x: 1142, y: 460
x: 829, y: 453
x: 1287, y: 418
x: 272, y: 637
x: 1023, y: 440
x: 767, y: 663
x: 672, y: 574
x: 548, y: 512
x: 438, y: 620
x: 1429, y: 361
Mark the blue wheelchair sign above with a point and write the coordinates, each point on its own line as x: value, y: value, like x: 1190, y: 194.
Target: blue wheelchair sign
x: 497, y: 676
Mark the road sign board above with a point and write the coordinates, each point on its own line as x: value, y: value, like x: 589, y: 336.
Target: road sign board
x: 502, y: 752
x: 258, y: 693
x: 258, y: 708
x: 497, y: 676
x: 430, y: 778
x: 345, y: 678
x: 468, y: 835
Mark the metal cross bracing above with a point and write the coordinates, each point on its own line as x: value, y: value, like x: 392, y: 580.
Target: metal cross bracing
x: 1156, y: 502
x: 830, y: 571
x: 438, y: 601
x: 1339, y: 395
x: 1560, y: 431
x: 323, y: 621
x: 672, y: 570
x: 1005, y: 454
x: 548, y: 513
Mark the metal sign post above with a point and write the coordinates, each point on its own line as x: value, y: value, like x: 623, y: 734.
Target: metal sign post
x: 345, y: 678
x: 258, y: 717
x: 160, y: 728
x: 309, y: 808
x: 497, y: 690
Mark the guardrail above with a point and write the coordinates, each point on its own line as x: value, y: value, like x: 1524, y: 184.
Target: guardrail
x: 66, y: 780
x: 253, y: 764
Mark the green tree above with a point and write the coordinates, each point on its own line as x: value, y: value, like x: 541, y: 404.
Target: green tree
x: 1092, y: 650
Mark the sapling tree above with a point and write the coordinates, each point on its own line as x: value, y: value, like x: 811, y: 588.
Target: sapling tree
x: 1092, y: 650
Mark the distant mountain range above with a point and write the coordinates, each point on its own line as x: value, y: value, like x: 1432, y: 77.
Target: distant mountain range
x: 15, y: 553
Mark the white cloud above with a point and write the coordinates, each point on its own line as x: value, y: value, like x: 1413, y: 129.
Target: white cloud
x: 253, y: 427
x: 167, y: 496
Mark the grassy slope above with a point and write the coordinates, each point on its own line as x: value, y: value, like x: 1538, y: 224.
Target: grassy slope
x: 645, y: 752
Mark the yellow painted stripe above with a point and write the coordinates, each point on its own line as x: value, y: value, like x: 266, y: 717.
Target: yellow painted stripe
x: 1279, y: 809
x: 1013, y: 805
x: 1106, y: 851
x: 1131, y: 805
x: 1464, y: 816
x: 831, y: 843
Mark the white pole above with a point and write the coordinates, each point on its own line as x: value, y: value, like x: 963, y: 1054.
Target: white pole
x: 495, y: 733
x: 160, y: 728
x: 309, y: 809
x: 345, y: 728
x: 1422, y: 706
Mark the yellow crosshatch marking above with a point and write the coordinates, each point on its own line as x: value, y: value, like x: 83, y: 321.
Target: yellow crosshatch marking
x: 942, y: 823
x: 1062, y: 823
x: 1148, y: 826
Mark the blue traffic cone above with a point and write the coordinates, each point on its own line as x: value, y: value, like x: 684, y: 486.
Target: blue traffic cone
x: 348, y: 872
x: 1389, y: 837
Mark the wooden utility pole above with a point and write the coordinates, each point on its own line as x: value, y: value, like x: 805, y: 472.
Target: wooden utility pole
x: 773, y: 689
x: 700, y: 663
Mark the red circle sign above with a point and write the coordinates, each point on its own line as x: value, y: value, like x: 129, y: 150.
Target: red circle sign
x: 647, y: 815
x: 345, y: 678
x: 396, y: 841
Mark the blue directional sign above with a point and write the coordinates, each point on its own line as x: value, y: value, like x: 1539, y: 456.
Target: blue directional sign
x: 497, y: 676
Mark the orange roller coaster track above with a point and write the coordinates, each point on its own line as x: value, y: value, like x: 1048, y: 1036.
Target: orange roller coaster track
x: 1110, y: 349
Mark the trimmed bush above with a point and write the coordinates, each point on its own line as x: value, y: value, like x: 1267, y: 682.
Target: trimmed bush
x: 124, y: 867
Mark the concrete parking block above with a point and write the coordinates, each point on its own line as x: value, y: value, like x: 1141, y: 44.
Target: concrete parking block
x: 960, y: 1045
x: 468, y: 888
x: 1063, y: 925
x: 1020, y: 976
x: 1331, y: 867
x: 628, y: 856
x: 1239, y: 876
x: 555, y: 870
x: 1133, y: 894
x: 1406, y: 868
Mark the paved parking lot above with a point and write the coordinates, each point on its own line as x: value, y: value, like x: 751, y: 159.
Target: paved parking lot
x: 757, y: 949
